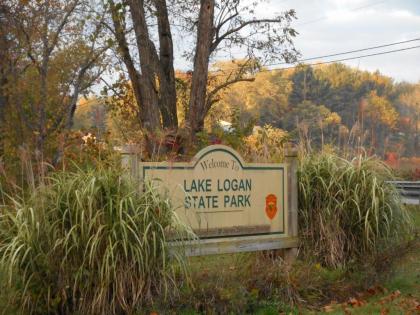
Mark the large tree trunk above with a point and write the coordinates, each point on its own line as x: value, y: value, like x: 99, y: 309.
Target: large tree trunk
x: 158, y: 75
x: 3, y: 101
x: 148, y: 61
x: 43, y: 92
x: 167, y: 88
x: 154, y: 85
x: 124, y: 51
x: 3, y: 78
x: 205, y: 33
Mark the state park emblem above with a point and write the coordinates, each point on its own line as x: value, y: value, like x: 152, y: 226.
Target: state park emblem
x: 271, y: 206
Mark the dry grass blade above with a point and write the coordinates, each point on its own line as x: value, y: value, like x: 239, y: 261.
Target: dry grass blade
x: 90, y: 242
x: 347, y: 210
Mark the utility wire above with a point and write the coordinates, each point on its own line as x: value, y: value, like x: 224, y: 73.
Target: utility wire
x: 348, y: 52
x: 346, y: 59
x: 333, y: 55
x: 338, y: 60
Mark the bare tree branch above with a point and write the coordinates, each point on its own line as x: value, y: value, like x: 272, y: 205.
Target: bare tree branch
x: 219, y: 88
x: 220, y: 38
x: 69, y: 11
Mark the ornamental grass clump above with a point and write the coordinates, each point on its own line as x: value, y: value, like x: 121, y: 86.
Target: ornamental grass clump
x: 347, y: 210
x: 90, y: 242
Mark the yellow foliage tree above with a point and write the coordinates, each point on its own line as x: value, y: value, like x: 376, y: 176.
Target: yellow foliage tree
x: 380, y: 112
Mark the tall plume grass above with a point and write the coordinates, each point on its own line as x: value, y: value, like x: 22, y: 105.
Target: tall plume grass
x: 347, y: 211
x: 90, y: 242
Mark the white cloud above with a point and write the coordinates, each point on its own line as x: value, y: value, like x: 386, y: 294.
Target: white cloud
x: 345, y: 3
x: 403, y: 14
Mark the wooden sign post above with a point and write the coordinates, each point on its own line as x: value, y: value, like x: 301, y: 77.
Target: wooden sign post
x: 231, y: 205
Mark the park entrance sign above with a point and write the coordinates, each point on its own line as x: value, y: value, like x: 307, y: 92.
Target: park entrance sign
x: 231, y: 205
x: 219, y: 195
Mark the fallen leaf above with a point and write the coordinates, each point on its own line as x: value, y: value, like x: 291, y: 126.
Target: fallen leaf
x: 384, y: 311
x: 352, y: 301
x: 347, y: 311
x: 355, y: 302
x: 376, y: 289
x: 390, y: 297
x: 328, y: 309
x: 372, y: 291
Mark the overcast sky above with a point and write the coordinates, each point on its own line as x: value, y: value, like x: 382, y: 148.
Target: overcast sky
x: 332, y: 26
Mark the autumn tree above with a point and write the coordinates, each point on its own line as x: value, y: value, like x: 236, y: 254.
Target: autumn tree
x: 358, y: 112
x: 312, y: 122
x: 218, y: 26
x: 265, y: 100
x: 380, y: 113
x: 308, y: 86
x: 58, y: 57
x: 232, y: 24
x: 347, y: 88
x: 411, y: 102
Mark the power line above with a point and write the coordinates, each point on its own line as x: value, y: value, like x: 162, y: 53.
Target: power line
x: 348, y: 52
x: 340, y: 60
x: 335, y: 54
x: 349, y: 58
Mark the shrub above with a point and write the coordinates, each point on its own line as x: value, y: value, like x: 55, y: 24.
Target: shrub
x: 266, y: 145
x: 90, y: 242
x: 347, y: 211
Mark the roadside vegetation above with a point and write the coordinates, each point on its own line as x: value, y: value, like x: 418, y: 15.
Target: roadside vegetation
x: 347, y: 211
x: 88, y: 240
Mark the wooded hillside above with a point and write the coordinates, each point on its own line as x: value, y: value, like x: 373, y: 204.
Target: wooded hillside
x: 331, y: 104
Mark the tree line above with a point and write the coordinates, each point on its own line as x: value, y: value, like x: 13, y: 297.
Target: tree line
x: 333, y: 104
